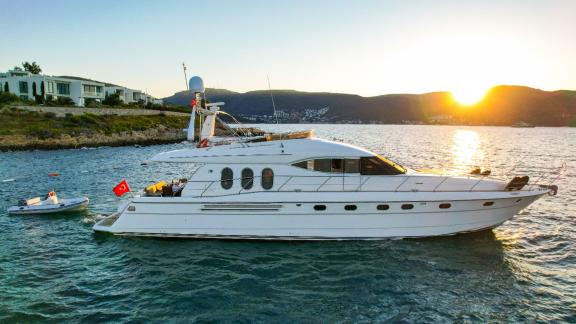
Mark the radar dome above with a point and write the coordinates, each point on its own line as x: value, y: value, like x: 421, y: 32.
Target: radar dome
x: 196, y: 84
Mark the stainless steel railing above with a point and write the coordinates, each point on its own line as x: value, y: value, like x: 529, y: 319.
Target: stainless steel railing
x: 338, y: 183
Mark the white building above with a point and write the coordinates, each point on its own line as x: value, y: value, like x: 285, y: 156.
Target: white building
x: 111, y: 89
x: 30, y: 86
x: 130, y: 95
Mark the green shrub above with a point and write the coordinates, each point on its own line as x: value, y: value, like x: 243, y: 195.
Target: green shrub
x: 91, y: 103
x: 112, y: 100
x: 65, y: 101
x: 43, y: 133
x: 175, y: 108
x: 50, y: 115
x: 89, y: 118
x: 8, y: 98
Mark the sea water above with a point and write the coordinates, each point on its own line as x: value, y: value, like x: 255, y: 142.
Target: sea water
x: 55, y: 268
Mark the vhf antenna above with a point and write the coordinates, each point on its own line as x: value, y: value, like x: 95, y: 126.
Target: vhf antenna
x: 185, y: 77
x: 272, y: 97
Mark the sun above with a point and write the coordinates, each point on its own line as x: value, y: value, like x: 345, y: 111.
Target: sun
x: 468, y: 96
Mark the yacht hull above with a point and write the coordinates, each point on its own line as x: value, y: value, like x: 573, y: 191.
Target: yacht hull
x: 299, y: 220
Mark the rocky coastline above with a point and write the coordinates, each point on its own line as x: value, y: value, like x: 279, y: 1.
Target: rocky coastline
x: 53, y: 128
x: 157, y: 135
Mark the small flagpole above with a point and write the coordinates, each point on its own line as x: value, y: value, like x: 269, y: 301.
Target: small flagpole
x: 131, y: 192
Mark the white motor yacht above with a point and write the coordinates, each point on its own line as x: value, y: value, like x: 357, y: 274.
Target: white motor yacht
x: 298, y: 187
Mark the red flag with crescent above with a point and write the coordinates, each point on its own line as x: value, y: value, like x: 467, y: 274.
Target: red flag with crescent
x: 121, y: 188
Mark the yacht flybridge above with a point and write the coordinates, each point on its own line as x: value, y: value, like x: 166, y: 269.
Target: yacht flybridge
x: 298, y: 187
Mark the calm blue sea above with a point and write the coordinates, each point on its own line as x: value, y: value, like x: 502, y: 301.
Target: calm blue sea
x: 55, y: 269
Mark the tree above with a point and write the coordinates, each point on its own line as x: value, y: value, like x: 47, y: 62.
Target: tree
x: 32, y: 67
x: 112, y: 100
x: 65, y: 101
x: 17, y: 68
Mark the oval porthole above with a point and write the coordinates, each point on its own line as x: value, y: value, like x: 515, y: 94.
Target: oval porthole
x: 319, y: 207
x: 227, y: 178
x: 267, y: 179
x: 445, y: 206
x: 488, y: 203
x: 382, y: 207
x: 350, y: 207
x: 407, y: 206
x: 247, y: 178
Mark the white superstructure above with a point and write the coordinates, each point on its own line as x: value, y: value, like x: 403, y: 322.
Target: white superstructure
x: 305, y: 188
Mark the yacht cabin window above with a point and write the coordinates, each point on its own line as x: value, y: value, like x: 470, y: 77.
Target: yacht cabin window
x: 247, y: 178
x: 371, y: 165
x: 323, y: 165
x: 330, y: 165
x: 301, y: 164
x: 337, y: 165
x: 351, y: 166
x: 227, y: 178
x: 376, y: 165
x: 267, y: 178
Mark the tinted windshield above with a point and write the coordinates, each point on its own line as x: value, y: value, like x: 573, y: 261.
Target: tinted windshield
x: 377, y: 165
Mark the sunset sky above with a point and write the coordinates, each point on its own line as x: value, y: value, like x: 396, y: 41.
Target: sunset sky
x: 363, y: 47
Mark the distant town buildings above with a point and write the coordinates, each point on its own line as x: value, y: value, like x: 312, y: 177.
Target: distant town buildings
x: 317, y: 115
x: 81, y: 91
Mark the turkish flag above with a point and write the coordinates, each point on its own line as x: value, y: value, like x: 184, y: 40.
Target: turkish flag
x: 121, y: 188
x: 193, y: 102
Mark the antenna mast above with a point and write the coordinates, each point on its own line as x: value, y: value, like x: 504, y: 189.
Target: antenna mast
x: 185, y: 77
x: 272, y: 97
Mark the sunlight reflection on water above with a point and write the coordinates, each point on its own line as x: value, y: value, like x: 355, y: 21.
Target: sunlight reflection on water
x: 466, y: 150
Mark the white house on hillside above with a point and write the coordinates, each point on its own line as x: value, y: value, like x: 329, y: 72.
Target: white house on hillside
x: 130, y: 95
x: 111, y: 89
x: 28, y: 86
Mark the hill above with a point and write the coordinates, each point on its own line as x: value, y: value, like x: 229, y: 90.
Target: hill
x: 502, y: 105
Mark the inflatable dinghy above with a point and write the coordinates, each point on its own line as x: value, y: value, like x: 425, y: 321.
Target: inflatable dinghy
x: 51, y: 204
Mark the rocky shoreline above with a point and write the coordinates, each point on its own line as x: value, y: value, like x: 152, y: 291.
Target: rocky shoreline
x: 151, y: 136
x: 157, y: 135
x: 53, y: 128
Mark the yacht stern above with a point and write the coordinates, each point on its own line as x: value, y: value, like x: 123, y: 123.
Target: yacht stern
x: 105, y: 225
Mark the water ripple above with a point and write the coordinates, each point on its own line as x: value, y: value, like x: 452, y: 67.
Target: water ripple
x: 55, y: 269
